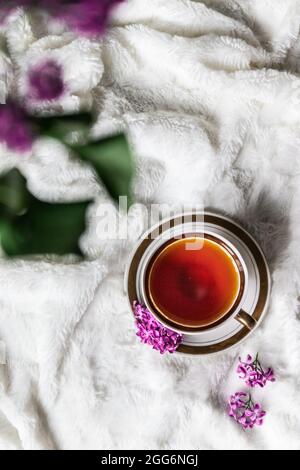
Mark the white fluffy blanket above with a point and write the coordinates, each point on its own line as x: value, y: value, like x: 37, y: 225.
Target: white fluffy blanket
x: 209, y: 93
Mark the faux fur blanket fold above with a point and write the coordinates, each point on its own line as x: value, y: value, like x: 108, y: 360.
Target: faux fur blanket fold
x: 209, y: 94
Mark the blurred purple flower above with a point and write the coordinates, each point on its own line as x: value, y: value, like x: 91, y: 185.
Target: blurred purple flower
x: 3, y: 14
x: 88, y: 17
x: 244, y: 411
x: 252, y: 372
x: 45, y: 81
x: 15, y: 131
x: 153, y: 333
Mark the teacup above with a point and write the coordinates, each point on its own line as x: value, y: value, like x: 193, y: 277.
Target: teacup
x: 194, y: 282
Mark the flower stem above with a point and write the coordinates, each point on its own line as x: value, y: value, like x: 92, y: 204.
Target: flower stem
x: 249, y: 403
x: 257, y: 364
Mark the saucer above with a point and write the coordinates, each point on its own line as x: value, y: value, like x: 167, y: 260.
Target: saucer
x: 255, y: 299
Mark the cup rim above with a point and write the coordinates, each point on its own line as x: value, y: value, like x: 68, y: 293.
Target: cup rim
x: 234, y: 308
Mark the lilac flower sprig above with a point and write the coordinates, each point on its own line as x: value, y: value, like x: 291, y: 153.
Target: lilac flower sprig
x: 87, y: 17
x: 151, y: 332
x: 45, y: 82
x: 253, y: 373
x: 244, y: 411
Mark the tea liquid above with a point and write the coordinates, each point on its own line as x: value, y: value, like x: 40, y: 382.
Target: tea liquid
x: 193, y: 288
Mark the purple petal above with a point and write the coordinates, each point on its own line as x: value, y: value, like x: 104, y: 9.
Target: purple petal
x: 15, y: 129
x: 46, y: 81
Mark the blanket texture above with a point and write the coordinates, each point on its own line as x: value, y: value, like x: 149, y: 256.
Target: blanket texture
x: 209, y: 94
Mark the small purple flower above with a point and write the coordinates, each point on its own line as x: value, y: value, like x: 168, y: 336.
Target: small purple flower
x: 153, y: 333
x: 252, y: 372
x: 15, y: 130
x: 45, y: 81
x: 244, y: 411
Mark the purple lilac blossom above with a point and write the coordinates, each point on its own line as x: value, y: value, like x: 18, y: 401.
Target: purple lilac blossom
x: 244, y: 411
x: 88, y: 17
x: 252, y: 372
x: 45, y: 81
x: 151, y: 332
x: 15, y: 131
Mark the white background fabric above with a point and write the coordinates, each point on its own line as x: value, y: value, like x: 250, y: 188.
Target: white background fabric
x: 209, y: 94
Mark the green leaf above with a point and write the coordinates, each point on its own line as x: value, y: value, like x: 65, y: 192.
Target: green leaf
x: 111, y: 158
x: 60, y: 127
x: 14, y: 196
x: 42, y: 228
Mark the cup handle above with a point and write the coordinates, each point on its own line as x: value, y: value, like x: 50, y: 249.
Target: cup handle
x: 245, y: 319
